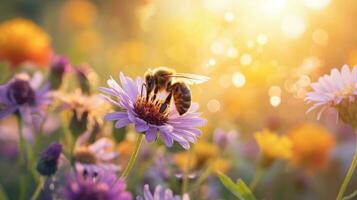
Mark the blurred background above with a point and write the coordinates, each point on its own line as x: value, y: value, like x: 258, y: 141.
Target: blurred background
x: 261, y: 56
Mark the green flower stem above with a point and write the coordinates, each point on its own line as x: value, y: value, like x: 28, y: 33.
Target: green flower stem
x: 348, y: 175
x: 70, y: 144
x: 71, y: 153
x: 257, y: 176
x: 188, y: 165
x: 39, y: 187
x: 21, y: 161
x: 133, y: 157
x: 206, y: 173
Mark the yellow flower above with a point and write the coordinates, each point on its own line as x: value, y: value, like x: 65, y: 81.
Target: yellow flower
x: 273, y: 146
x: 91, y: 108
x: 203, y: 154
x: 21, y: 40
x: 312, y: 145
x: 181, y: 159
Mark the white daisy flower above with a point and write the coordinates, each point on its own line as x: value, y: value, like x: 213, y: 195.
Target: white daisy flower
x: 336, y: 90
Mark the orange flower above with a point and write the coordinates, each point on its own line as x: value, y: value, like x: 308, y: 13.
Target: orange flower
x: 21, y: 40
x: 311, y: 146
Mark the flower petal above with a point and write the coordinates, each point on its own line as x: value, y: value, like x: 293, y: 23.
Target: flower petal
x: 141, y: 127
x: 7, y: 111
x: 115, y: 116
x: 122, y: 122
x: 151, y: 134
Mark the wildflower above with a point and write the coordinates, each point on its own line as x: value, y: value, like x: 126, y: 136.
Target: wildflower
x: 21, y: 40
x: 161, y: 167
x: 222, y: 138
x: 59, y: 66
x: 97, y: 186
x: 337, y: 91
x: 312, y: 145
x: 273, y: 146
x: 146, y: 114
x: 203, y: 154
x: 47, y: 164
x: 23, y: 96
x: 160, y: 194
x: 96, y: 157
x: 87, y: 111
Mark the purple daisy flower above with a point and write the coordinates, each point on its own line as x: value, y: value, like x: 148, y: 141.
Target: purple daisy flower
x: 24, y: 96
x: 95, y: 187
x: 147, y: 116
x: 160, y: 194
x: 334, y: 90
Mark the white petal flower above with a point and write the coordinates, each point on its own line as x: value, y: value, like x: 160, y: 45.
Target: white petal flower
x: 330, y: 90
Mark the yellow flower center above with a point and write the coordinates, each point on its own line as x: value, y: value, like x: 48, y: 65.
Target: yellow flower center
x: 345, y: 92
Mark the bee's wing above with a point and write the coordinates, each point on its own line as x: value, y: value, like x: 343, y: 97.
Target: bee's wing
x: 190, y: 78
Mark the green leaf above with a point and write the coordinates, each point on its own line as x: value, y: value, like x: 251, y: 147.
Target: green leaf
x: 245, y: 191
x: 240, y: 190
x: 228, y: 183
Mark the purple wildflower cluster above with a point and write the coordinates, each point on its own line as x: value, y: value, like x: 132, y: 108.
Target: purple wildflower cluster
x: 85, y: 164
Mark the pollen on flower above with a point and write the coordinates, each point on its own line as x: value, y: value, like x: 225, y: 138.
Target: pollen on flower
x: 345, y: 92
x: 149, y: 111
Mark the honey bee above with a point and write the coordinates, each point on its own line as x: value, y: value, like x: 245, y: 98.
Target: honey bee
x: 175, y: 84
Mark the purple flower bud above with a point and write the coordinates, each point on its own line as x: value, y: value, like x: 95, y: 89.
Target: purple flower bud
x: 222, y: 138
x: 59, y: 66
x: 47, y: 164
x: 84, y: 76
x: 78, y: 123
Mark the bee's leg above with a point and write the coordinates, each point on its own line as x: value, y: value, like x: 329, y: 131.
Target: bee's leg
x: 156, y: 90
x: 148, y: 92
x: 166, y: 103
x: 142, y: 87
